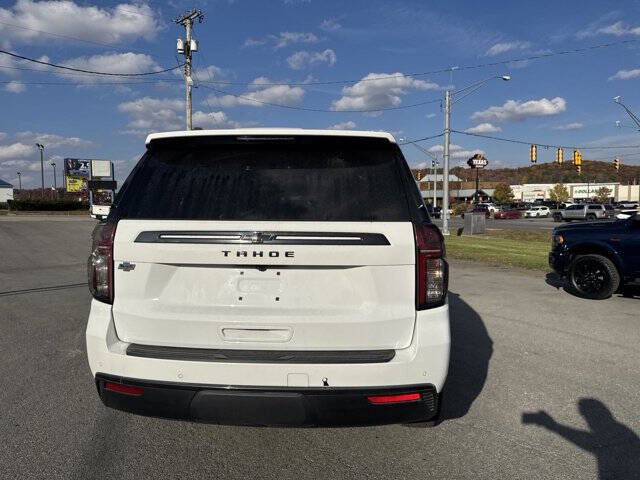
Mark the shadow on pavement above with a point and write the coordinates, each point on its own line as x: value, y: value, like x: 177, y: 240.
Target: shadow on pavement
x: 555, y: 280
x: 471, y: 350
x: 615, y: 446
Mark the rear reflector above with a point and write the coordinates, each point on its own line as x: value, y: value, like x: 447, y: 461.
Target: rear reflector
x: 400, y: 398
x: 126, y: 389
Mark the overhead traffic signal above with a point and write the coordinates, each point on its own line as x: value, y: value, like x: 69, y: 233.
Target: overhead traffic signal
x: 559, y: 158
x: 577, y: 157
x: 419, y: 175
x: 579, y: 169
x: 533, y: 154
x: 616, y: 164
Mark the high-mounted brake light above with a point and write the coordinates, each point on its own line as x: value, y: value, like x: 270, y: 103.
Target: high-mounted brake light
x: 126, y: 389
x: 399, y: 398
x: 432, y: 270
x: 100, y: 263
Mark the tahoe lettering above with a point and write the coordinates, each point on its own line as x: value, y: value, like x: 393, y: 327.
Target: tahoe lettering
x: 259, y: 253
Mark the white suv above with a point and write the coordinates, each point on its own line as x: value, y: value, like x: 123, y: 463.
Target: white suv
x: 270, y: 277
x: 541, y: 211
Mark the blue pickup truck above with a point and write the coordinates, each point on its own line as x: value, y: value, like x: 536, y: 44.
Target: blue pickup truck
x: 597, y: 259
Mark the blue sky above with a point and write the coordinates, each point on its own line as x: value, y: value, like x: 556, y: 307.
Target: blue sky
x: 280, y: 50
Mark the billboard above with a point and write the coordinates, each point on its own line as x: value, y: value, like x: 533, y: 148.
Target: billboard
x: 101, y: 169
x: 76, y: 174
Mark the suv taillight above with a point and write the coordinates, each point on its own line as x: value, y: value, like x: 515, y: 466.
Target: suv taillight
x: 100, y: 263
x: 432, y: 270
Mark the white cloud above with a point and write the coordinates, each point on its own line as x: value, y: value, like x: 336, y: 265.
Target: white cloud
x: 379, y: 90
x: 626, y: 74
x: 153, y: 114
x: 16, y: 150
x: 122, y: 23
x: 304, y: 59
x: 483, y: 128
x: 330, y: 25
x: 569, y: 126
x: 110, y: 62
x: 260, y: 92
x: 430, y: 115
x: 348, y: 125
x: 149, y: 114
x: 283, y: 39
x: 618, y: 29
x: 214, y: 120
x: 456, y: 151
x: 51, y: 140
x: 504, y: 47
x: 15, y: 87
x: 514, y: 110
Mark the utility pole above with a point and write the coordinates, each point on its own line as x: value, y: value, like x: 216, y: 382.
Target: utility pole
x: 41, y: 148
x: 445, y: 161
x: 19, y: 180
x: 186, y: 48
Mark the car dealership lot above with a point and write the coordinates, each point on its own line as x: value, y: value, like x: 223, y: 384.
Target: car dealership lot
x: 520, y: 345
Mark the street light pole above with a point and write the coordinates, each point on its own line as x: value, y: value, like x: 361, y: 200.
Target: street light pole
x: 41, y: 148
x: 55, y: 181
x: 447, y: 134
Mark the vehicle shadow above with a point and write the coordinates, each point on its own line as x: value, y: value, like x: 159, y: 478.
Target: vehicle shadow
x: 615, y: 446
x: 555, y: 280
x: 471, y: 350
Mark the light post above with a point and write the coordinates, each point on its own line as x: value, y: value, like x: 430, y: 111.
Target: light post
x: 448, y: 94
x: 41, y: 148
x: 632, y: 115
x: 55, y: 181
x: 19, y: 181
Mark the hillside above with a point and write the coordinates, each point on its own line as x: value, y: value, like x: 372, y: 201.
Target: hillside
x: 593, y: 171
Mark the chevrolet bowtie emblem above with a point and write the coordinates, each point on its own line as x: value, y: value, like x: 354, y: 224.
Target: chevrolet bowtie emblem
x: 257, y: 237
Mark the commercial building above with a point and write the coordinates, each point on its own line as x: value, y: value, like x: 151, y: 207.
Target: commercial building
x: 531, y: 192
x: 6, y: 191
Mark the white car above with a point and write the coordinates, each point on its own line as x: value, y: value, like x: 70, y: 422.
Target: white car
x: 493, y: 208
x: 541, y: 211
x: 270, y: 277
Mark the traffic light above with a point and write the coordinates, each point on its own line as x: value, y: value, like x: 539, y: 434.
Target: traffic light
x: 577, y: 157
x: 419, y: 175
x: 616, y: 164
x: 579, y: 169
x: 559, y: 158
x: 533, y: 154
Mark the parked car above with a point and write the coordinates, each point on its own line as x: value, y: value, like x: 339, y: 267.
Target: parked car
x: 507, y: 213
x: 628, y: 204
x: 597, y: 258
x: 541, y: 211
x: 583, y: 211
x: 231, y: 296
x: 492, y: 207
x: 479, y: 209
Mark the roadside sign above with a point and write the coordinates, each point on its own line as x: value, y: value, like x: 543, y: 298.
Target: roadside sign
x: 477, y: 161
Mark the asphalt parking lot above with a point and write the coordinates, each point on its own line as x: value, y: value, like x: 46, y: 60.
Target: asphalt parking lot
x: 542, y: 385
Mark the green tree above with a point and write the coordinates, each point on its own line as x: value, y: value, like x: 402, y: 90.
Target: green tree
x: 602, y: 195
x: 502, y: 194
x: 559, y: 193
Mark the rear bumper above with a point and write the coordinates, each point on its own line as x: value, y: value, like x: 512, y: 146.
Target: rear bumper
x: 423, y: 365
x: 293, y: 407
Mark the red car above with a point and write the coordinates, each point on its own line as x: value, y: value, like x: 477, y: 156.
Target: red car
x: 505, y: 214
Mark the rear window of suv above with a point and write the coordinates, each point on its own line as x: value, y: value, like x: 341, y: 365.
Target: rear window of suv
x: 257, y: 178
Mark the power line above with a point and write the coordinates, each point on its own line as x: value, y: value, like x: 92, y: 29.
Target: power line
x: 423, y: 139
x: 525, y: 142
x: 440, y: 70
x: 80, y: 84
x: 33, y: 60
x: 291, y: 107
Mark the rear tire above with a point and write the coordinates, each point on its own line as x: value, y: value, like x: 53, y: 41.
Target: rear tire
x: 591, y: 217
x: 593, y: 276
